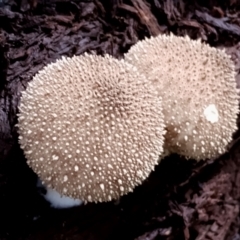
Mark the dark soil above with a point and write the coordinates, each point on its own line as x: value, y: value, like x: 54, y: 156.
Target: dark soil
x: 181, y: 199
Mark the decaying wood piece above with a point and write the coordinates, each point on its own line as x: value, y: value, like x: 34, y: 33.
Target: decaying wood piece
x: 146, y: 17
x: 220, y: 23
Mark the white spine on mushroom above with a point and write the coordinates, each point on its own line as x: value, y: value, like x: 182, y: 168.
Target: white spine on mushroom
x: 211, y: 113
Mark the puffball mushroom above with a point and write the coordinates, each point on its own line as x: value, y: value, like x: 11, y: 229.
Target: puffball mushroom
x: 198, y: 87
x: 91, y: 127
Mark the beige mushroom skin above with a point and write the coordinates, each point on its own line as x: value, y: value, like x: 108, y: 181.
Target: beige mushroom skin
x: 198, y: 87
x: 91, y: 127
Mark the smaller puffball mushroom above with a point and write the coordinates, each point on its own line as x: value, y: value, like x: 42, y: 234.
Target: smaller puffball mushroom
x: 91, y: 127
x: 198, y: 87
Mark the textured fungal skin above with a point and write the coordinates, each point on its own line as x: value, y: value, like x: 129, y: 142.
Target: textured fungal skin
x: 91, y: 127
x: 198, y: 87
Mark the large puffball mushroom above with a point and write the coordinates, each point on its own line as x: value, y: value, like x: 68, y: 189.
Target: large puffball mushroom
x: 198, y: 87
x: 91, y: 127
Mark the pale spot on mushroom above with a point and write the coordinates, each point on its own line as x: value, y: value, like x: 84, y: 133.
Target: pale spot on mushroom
x: 211, y: 113
x: 102, y: 186
x: 110, y: 166
x: 76, y: 168
x: 65, y: 178
x: 194, y: 147
x: 139, y: 173
x: 55, y: 157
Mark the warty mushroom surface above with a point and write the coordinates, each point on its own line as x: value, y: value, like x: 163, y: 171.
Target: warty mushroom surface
x: 91, y: 127
x: 198, y: 87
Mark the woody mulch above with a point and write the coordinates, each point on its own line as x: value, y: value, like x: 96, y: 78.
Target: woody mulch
x: 181, y: 199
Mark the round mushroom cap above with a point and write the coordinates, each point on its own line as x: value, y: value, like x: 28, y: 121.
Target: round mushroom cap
x: 91, y: 127
x: 198, y: 89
